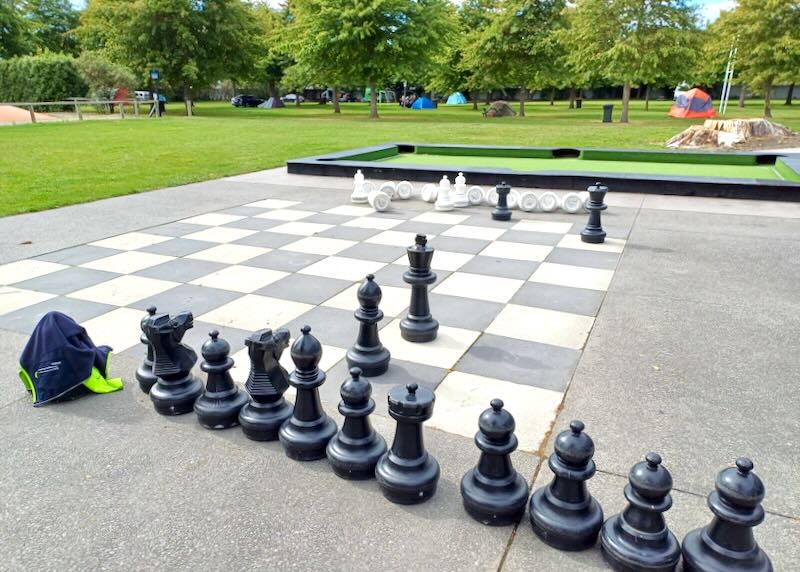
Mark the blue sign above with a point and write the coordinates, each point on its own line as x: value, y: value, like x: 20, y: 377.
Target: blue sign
x: 155, y: 75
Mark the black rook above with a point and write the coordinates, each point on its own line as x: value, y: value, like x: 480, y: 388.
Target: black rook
x: 594, y: 233
x: 219, y: 405
x: 368, y: 353
x: 501, y: 211
x: 419, y: 325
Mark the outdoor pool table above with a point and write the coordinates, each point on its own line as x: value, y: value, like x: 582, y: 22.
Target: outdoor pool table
x: 757, y: 175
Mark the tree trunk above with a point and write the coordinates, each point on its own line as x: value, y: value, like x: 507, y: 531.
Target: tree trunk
x: 523, y: 95
x: 187, y: 98
x: 647, y: 98
x: 768, y: 100
x: 742, y: 95
x: 572, y: 98
x: 297, y: 98
x: 373, y: 101
x: 553, y: 96
x: 488, y: 98
x: 336, y: 108
x: 626, y: 102
x: 790, y: 95
x: 475, y: 96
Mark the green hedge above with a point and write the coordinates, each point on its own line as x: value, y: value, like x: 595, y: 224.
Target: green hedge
x: 46, y: 77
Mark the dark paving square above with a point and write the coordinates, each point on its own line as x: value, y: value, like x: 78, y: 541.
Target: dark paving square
x: 175, y: 229
x: 503, y: 267
x: 456, y: 244
x: 78, y: 255
x: 268, y: 239
x: 463, y: 312
x: 252, y: 223
x: 304, y: 288
x: 181, y: 269
x: 519, y: 361
x: 561, y: 298
x: 327, y: 218
x: 392, y: 275
x: 66, y: 281
x: 588, y: 258
x: 419, y: 227
x: 196, y: 299
x: 242, y: 211
x: 25, y: 319
x: 527, y: 237
x: 331, y: 326
x: 285, y: 260
x: 377, y: 252
x: 178, y: 247
x: 349, y: 233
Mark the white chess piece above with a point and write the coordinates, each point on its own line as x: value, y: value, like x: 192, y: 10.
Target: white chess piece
x: 584, y: 195
x: 513, y: 199
x: 429, y: 192
x: 460, y: 199
x: 389, y: 188
x: 548, y: 201
x: 360, y: 193
x: 379, y: 200
x: 491, y: 197
x: 404, y: 190
x: 571, y: 203
x: 444, y: 202
x: 475, y: 195
x: 528, y: 201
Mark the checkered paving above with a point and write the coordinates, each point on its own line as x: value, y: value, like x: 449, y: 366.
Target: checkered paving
x: 516, y: 301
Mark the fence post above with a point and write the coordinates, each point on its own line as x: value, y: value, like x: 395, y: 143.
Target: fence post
x: 136, y: 107
x: 121, y: 110
x: 78, y: 111
x: 33, y: 115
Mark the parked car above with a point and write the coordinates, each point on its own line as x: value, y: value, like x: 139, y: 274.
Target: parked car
x: 246, y: 101
x: 292, y: 98
x: 346, y: 98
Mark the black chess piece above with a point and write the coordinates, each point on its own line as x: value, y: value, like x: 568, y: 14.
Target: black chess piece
x: 219, y: 405
x: 563, y: 513
x: 727, y: 543
x: 419, y: 325
x: 266, y: 383
x: 354, y: 451
x: 638, y: 539
x: 501, y: 211
x: 493, y: 492
x: 406, y: 473
x: 368, y: 353
x: 144, y: 373
x: 176, y: 389
x: 306, y: 433
x: 594, y: 233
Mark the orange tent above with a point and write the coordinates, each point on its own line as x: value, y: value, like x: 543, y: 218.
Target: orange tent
x: 693, y: 104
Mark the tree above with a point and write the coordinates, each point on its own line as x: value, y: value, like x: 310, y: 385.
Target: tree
x: 272, y: 58
x: 104, y: 76
x: 635, y: 42
x: 52, y: 24
x: 15, y: 37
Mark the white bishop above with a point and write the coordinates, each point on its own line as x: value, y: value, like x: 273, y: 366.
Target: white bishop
x: 460, y: 199
x: 360, y: 194
x: 444, y: 202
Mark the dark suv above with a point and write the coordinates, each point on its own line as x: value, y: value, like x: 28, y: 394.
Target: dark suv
x: 246, y: 101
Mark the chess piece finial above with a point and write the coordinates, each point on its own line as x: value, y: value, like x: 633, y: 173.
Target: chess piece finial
x: 563, y: 513
x: 493, y: 492
x: 219, y: 405
x: 144, y: 373
x: 368, y: 353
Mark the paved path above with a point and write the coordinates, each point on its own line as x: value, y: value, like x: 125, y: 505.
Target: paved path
x: 693, y: 354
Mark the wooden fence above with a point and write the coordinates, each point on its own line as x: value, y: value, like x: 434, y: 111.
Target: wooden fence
x: 77, y: 103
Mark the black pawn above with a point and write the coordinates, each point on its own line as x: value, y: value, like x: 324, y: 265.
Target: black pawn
x: 219, y: 405
x: 727, y: 543
x: 266, y: 383
x: 493, y: 492
x: 419, y: 325
x: 501, y: 211
x: 176, y: 389
x: 594, y: 232
x: 563, y: 513
x: 306, y: 433
x: 144, y: 373
x: 638, y: 539
x: 406, y: 473
x: 368, y: 353
x: 354, y: 451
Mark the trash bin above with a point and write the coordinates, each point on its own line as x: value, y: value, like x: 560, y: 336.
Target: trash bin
x: 578, y: 103
x: 607, y: 111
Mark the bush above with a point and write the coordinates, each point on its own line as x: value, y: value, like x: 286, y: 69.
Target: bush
x: 46, y: 77
x: 103, y: 76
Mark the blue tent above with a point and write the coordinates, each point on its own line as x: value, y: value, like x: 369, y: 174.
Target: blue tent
x: 456, y: 98
x: 423, y: 103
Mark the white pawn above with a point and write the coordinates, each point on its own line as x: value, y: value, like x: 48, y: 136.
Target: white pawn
x: 379, y: 200
x: 360, y: 194
x: 404, y: 190
x: 460, y: 199
x: 548, y: 201
x: 491, y: 197
x: 444, y: 202
x: 475, y: 195
x: 571, y: 203
x: 429, y: 192
x: 528, y: 201
x: 389, y: 188
x: 584, y: 195
x: 513, y: 199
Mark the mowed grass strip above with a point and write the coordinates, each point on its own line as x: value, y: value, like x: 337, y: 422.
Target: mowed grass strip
x: 50, y: 165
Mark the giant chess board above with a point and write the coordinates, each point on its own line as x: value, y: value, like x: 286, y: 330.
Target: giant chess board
x: 515, y: 300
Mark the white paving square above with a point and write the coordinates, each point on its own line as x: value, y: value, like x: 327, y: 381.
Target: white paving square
x: 26, y: 269
x: 252, y: 312
x: 479, y: 286
x: 444, y: 352
x: 319, y: 245
x: 273, y: 204
x: 244, y: 279
x: 462, y: 397
x: 543, y: 226
x: 114, y: 329
x: 127, y: 262
x: 212, y: 219
x: 440, y: 218
x: 443, y: 260
x: 286, y: 214
x: 395, y: 238
x: 350, y: 210
x: 373, y: 222
x: 229, y: 253
x: 123, y: 290
x: 542, y: 326
x: 574, y: 241
x: 300, y: 228
x: 393, y: 302
x: 575, y: 276
x: 516, y: 251
x: 477, y: 232
x: 131, y: 241
x: 12, y: 299
x: 342, y: 268
x: 220, y: 234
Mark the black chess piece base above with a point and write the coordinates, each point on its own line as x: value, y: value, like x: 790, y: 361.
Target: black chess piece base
x: 176, y: 397
x: 145, y: 377
x: 624, y: 554
x: 419, y: 330
x: 699, y: 556
x: 593, y: 237
x: 261, y: 421
x: 219, y: 410
x: 303, y: 443
x: 489, y: 504
x: 501, y: 214
x: 565, y: 529
x: 406, y: 481
x: 355, y: 459
x: 372, y: 363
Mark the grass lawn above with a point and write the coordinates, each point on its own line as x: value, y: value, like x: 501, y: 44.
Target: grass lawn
x: 49, y: 165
